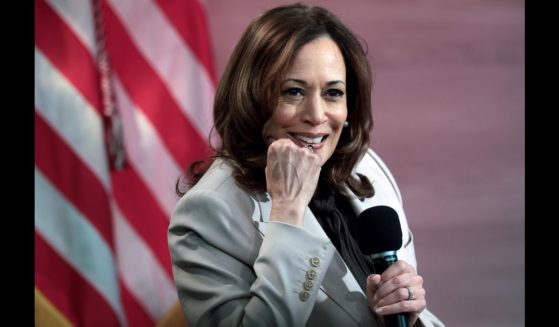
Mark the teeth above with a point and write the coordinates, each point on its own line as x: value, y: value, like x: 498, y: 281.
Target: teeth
x: 315, y: 140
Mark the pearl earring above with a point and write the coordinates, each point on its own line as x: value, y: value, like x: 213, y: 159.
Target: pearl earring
x: 346, y: 123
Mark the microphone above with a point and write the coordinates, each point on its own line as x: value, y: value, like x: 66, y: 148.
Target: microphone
x: 379, y: 234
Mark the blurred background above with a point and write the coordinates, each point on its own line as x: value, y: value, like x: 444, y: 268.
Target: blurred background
x: 123, y: 104
x: 448, y: 110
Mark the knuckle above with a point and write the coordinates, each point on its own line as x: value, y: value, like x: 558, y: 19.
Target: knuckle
x: 408, y: 305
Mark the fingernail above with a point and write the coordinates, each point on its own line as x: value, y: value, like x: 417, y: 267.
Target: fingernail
x: 371, y: 276
x: 377, y: 309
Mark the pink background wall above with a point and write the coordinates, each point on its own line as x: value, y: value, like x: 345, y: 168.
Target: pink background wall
x: 448, y: 105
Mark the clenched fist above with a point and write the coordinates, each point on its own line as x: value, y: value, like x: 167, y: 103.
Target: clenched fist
x: 291, y: 177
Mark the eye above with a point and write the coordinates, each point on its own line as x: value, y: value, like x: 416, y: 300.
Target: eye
x: 293, y: 92
x: 334, y: 93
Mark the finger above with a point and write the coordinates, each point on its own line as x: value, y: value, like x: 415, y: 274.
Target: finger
x: 292, y: 171
x: 284, y: 144
x: 283, y: 140
x: 401, y: 281
x: 278, y: 144
x: 309, y: 161
x: 289, y: 143
x: 413, y: 307
x: 398, y: 268
x: 373, y: 283
x: 402, y: 294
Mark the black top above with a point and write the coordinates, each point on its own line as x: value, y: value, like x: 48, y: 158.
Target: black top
x: 339, y: 221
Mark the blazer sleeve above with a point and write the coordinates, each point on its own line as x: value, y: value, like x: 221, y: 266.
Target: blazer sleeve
x: 218, y: 282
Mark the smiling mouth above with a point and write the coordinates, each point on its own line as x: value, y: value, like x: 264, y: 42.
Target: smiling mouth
x: 314, y: 141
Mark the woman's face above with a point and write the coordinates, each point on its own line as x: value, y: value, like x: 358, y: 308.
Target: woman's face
x: 312, y: 107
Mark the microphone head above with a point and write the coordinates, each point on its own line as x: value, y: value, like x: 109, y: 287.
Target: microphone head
x: 378, y: 230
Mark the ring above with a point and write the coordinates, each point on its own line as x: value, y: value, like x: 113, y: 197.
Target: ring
x: 410, y: 294
x: 310, y: 148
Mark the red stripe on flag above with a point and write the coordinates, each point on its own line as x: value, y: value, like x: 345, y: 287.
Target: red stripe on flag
x: 70, y: 56
x: 68, y: 291
x: 142, y: 212
x: 151, y: 95
x: 136, y: 315
x: 189, y: 19
x: 73, y: 178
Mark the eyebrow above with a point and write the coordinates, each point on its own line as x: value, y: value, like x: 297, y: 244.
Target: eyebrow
x: 300, y: 81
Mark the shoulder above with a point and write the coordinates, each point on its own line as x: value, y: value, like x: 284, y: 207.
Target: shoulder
x: 217, y: 190
x: 216, y: 209
x: 219, y: 174
x: 372, y: 166
x: 217, y: 185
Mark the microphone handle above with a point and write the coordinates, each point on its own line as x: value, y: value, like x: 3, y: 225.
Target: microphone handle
x: 380, y: 263
x: 396, y: 320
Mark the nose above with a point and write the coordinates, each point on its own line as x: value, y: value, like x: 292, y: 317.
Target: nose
x: 314, y: 111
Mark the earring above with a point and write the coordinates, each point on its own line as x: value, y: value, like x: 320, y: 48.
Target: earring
x: 346, y: 123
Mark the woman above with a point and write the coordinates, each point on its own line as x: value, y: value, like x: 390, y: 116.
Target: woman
x: 265, y: 236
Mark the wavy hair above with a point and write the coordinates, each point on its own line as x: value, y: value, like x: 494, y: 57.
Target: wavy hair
x: 249, y: 91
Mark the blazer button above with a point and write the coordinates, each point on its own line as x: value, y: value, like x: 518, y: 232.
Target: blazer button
x: 311, y: 274
x: 315, y: 261
x: 304, y: 295
x: 308, y: 284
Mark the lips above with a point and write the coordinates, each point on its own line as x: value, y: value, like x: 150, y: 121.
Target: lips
x: 305, y: 139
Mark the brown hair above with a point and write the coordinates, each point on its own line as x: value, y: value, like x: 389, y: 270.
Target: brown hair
x: 249, y: 90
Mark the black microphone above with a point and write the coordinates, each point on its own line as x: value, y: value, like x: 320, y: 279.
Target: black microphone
x: 379, y: 234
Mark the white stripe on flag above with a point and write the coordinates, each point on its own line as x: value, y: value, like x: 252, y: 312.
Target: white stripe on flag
x: 160, y: 43
x: 147, y: 153
x: 74, y: 119
x: 142, y: 274
x: 76, y: 240
x: 79, y: 16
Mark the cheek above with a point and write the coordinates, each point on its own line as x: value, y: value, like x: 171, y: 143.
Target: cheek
x: 282, y: 117
x: 284, y: 114
x: 338, y: 117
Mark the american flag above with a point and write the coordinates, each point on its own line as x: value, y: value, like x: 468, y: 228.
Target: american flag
x: 133, y: 71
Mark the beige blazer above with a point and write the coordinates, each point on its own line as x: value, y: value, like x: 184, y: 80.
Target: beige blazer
x: 233, y: 267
